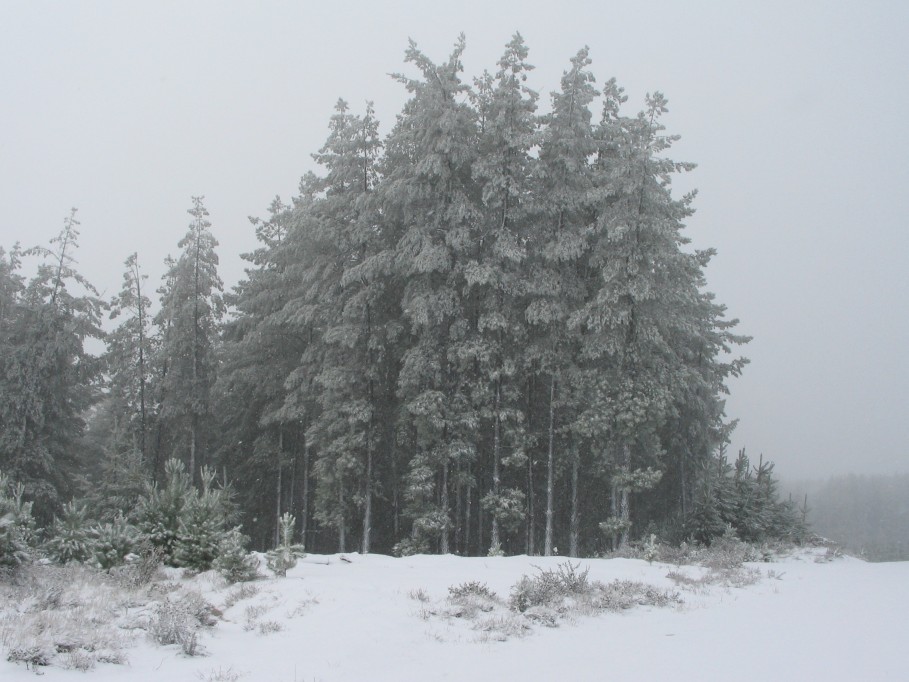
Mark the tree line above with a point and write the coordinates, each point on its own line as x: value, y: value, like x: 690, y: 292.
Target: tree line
x: 482, y: 333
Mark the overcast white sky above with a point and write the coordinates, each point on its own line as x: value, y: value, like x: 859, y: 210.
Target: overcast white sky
x: 795, y: 113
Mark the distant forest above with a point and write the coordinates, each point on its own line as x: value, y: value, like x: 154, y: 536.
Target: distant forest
x: 867, y: 515
x: 483, y: 333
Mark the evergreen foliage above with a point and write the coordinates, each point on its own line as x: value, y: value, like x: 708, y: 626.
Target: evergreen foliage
x: 72, y: 538
x: 17, y: 527
x: 188, y: 525
x: 47, y: 379
x: 114, y: 541
x: 486, y: 332
x: 233, y: 561
x: 285, y: 555
x: 743, y: 498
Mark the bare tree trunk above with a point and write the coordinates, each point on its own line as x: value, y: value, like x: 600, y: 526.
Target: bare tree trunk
x: 624, y: 500
x: 192, y: 445
x: 468, y: 499
x: 575, y: 521
x: 494, y: 542
x: 683, y: 475
x: 443, y: 543
x: 278, y: 505
x: 305, y: 501
x: 550, y: 470
x: 342, y: 523
x: 459, y: 510
x: 367, y: 505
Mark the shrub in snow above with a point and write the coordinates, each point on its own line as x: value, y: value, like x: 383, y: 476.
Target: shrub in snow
x: 72, y: 537
x: 16, y: 525
x: 140, y: 569
x: 410, y: 547
x: 240, y: 593
x: 114, y: 542
x: 471, y: 588
x: 172, y: 624
x: 285, y: 555
x: 233, y: 561
x: 201, y: 530
x: 564, y: 590
x: 160, y: 509
x: 549, y: 586
x: 745, y: 497
x: 65, y: 616
x: 189, y: 526
x: 470, y: 599
x: 179, y: 621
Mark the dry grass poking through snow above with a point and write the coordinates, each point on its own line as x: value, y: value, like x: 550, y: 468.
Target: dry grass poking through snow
x: 547, y: 598
x: 75, y: 617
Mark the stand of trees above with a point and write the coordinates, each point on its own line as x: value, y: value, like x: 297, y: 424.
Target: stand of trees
x: 483, y: 333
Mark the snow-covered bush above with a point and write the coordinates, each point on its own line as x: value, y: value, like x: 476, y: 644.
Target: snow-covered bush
x: 179, y: 619
x: 233, y: 561
x: 549, y: 586
x: 285, y: 555
x: 191, y: 527
x: 202, y: 525
x: 160, y: 509
x: 410, y: 547
x: 114, y: 542
x: 72, y: 537
x: 16, y: 525
x: 745, y: 497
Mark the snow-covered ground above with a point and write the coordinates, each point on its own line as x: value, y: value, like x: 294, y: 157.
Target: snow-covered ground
x: 377, y: 618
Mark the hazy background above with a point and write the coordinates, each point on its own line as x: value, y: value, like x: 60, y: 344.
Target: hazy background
x: 796, y: 114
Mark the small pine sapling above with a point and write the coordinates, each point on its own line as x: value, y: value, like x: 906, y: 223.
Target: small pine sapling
x: 114, y: 542
x: 234, y: 562
x: 73, y: 538
x: 285, y: 555
x: 17, y: 527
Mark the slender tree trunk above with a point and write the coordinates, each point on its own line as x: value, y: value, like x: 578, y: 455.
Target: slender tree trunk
x: 367, y: 504
x: 550, y: 470
x: 459, y: 510
x: 467, y: 500
x: 193, y: 429
x: 140, y: 308
x: 624, y: 499
x: 531, y: 493
x: 278, y: 487
x: 195, y: 374
x: 305, y: 501
x: 531, y: 525
x: 342, y: 523
x: 480, y: 513
x: 683, y: 476
x: 575, y: 520
x: 494, y: 541
x: 443, y: 545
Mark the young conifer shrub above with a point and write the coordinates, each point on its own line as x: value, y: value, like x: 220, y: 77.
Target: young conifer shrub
x: 114, y: 542
x: 16, y: 525
x: 72, y: 536
x: 285, y: 555
x: 233, y: 561
x: 201, y: 530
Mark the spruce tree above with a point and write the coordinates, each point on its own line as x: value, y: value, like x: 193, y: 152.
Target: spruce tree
x: 556, y: 271
x: 191, y: 308
x: 490, y: 358
x: 47, y: 378
x: 429, y: 201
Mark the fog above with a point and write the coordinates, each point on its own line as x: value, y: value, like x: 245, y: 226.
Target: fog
x: 794, y: 114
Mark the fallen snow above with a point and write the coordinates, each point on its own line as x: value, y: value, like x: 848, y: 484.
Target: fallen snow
x: 336, y: 621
